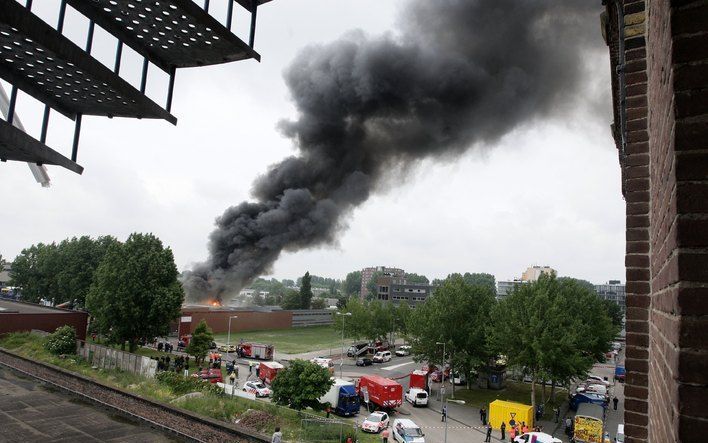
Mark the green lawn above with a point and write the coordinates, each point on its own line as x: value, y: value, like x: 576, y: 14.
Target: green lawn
x: 292, y: 341
x: 513, y: 391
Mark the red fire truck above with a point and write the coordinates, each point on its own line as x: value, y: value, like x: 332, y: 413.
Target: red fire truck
x: 382, y: 392
x: 255, y: 350
x: 267, y: 371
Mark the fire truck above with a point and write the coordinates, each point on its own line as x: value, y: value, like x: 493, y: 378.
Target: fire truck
x: 255, y: 350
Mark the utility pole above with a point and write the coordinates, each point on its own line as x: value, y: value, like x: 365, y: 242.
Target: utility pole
x: 228, y: 336
x: 441, y: 392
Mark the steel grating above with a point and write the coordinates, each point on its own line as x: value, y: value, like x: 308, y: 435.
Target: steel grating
x: 16, y: 145
x: 48, y: 66
x: 169, y: 33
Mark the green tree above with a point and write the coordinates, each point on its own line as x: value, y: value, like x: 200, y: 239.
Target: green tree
x: 552, y: 328
x: 318, y: 303
x: 481, y: 279
x: 305, y: 291
x: 135, y: 293
x: 457, y: 315
x: 34, y: 270
x: 301, y: 384
x: 199, y: 343
x: 417, y: 279
x: 614, y: 311
x: 352, y: 283
x: 287, y: 283
x: 291, y: 300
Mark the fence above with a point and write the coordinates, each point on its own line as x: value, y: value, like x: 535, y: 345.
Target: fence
x: 110, y: 358
x: 327, y: 430
x: 312, y: 317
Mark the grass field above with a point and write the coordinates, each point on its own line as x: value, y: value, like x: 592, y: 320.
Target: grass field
x: 292, y: 341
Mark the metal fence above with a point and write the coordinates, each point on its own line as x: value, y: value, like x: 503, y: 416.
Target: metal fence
x: 327, y: 430
x: 110, y: 358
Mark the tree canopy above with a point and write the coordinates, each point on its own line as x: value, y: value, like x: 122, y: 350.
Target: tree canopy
x: 301, y: 384
x: 135, y: 293
x: 555, y: 329
x: 457, y: 315
x: 59, y: 272
x: 305, y: 291
x: 199, y: 343
x: 352, y: 283
x: 417, y: 279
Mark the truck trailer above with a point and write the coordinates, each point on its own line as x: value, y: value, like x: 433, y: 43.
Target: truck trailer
x: 267, y: 370
x: 255, y: 350
x: 342, y: 397
x: 589, y: 423
x: 382, y: 392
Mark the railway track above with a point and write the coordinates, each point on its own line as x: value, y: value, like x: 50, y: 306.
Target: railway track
x: 171, y: 420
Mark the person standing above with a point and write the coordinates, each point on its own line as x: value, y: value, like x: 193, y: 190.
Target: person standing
x: 489, y: 433
x: 502, y: 428
x: 483, y: 415
x: 556, y: 414
x: 615, y: 400
x: 568, y: 426
x: 512, y: 434
x: 384, y: 435
x: 277, y: 436
x: 232, y: 378
x: 444, y: 413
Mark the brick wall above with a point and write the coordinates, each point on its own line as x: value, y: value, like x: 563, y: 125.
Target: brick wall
x: 218, y: 321
x: 49, y: 322
x: 665, y: 184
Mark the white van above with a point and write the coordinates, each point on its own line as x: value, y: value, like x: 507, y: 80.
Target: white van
x: 417, y: 397
x: 382, y: 357
x: 619, y: 437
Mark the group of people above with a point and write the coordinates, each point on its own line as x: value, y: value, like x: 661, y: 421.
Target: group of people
x: 214, y: 360
x: 515, y: 429
x: 178, y: 364
x: 166, y: 346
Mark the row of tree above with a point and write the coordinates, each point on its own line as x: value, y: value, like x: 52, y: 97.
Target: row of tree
x: 553, y: 329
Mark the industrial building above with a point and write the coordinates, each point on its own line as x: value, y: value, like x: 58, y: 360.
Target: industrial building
x: 18, y: 316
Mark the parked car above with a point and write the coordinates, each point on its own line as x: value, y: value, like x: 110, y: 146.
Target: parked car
x: 364, y: 361
x: 541, y: 437
x: 403, y: 350
x: 257, y: 388
x: 620, y: 373
x: 458, y: 378
x: 406, y: 431
x: 227, y: 348
x: 595, y: 379
x: 382, y: 357
x: 417, y: 397
x: 376, y: 422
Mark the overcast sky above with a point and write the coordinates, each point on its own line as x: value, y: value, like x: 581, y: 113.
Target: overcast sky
x: 547, y: 194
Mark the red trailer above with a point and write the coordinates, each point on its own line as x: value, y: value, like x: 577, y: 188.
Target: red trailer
x: 418, y: 379
x: 382, y: 392
x: 268, y: 370
x: 255, y: 350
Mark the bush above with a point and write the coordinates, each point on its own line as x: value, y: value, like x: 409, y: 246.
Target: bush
x: 61, y: 341
x: 181, y: 385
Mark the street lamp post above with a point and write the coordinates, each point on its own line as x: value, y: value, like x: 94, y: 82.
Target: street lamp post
x: 441, y: 392
x: 228, y: 337
x: 341, y: 357
x: 462, y: 402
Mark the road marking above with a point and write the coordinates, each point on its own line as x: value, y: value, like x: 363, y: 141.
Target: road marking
x: 391, y: 368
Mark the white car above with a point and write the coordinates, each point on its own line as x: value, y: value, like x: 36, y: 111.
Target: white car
x: 382, y: 357
x: 417, y: 397
x: 406, y: 431
x: 404, y: 350
x: 257, y: 388
x: 541, y: 437
x: 376, y: 422
x: 594, y: 379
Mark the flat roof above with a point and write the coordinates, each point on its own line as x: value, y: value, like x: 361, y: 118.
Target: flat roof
x: 15, y: 307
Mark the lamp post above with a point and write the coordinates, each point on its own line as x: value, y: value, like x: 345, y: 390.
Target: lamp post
x: 442, y: 374
x: 341, y: 357
x: 228, y: 337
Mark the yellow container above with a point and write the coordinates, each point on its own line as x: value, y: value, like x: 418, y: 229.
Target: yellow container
x: 504, y: 411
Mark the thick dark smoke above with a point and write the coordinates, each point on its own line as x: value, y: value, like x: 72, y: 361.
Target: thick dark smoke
x: 460, y: 74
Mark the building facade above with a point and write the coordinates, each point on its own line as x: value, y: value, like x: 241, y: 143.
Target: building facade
x: 658, y: 53
x: 368, y: 273
x: 532, y: 273
x: 397, y: 290
x: 505, y: 287
x: 613, y: 291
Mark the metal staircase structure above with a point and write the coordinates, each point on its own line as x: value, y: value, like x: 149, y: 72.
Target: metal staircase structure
x: 39, y: 60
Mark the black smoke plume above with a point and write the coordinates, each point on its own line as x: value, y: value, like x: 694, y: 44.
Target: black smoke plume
x: 459, y: 74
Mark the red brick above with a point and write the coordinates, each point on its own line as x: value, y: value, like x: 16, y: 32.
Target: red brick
x: 637, y: 208
x: 690, y: 48
x: 692, y: 232
x: 691, y: 103
x: 690, y: 77
x: 633, y: 114
x: 637, y: 235
x: 693, y: 266
x: 637, y: 339
x: 637, y: 101
x: 692, y: 197
x: 637, y: 159
x: 691, y: 135
x: 636, y: 392
x: 638, y: 326
x: 635, y: 54
x: 634, y: 43
x: 639, y: 124
x: 637, y: 221
x: 693, y: 332
x: 638, y: 301
x: 635, y: 78
x: 691, y: 166
x: 631, y: 7
x: 637, y: 274
x: 636, y: 287
x: 635, y: 431
x: 689, y: 20
x: 691, y: 429
x: 636, y: 405
x: 693, y: 367
x: 693, y: 301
